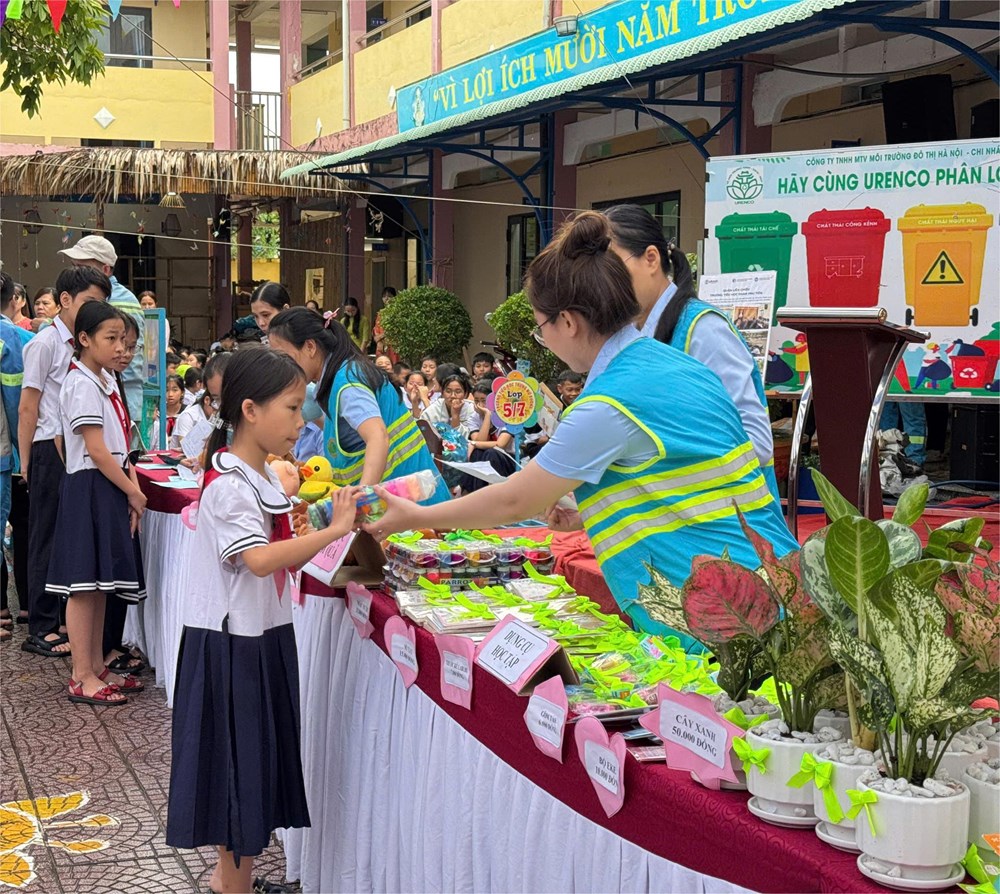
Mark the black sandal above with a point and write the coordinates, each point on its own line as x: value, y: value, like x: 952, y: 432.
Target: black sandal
x: 123, y: 664
x: 262, y: 886
x: 46, y: 648
x: 23, y: 619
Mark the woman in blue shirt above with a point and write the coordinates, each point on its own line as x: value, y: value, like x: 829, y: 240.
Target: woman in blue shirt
x: 370, y: 436
x: 653, y: 449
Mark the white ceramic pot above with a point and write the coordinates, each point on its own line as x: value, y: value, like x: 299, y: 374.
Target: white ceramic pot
x: 923, y: 837
x: 839, y: 835
x: 993, y: 748
x: 775, y: 801
x: 984, y: 811
x: 954, y: 762
x: 836, y: 719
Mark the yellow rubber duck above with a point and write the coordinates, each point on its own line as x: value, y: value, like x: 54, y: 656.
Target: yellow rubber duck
x: 317, y: 475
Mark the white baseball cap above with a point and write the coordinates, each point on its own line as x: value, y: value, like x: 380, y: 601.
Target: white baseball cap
x: 92, y: 248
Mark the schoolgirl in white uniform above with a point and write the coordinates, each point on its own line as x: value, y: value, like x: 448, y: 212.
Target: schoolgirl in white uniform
x: 236, y: 772
x: 100, y: 505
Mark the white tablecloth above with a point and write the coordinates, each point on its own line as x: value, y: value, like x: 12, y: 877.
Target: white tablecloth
x: 402, y: 798
x: 155, y: 625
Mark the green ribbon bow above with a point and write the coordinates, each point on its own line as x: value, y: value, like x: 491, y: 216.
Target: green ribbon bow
x: 862, y: 800
x: 736, y: 716
x: 554, y: 580
x: 406, y: 537
x: 821, y: 774
x: 437, y: 594
x: 529, y: 543
x: 488, y: 538
x: 475, y: 609
x: 751, y: 756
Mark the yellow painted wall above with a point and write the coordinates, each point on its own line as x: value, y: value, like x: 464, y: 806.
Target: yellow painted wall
x: 394, y: 61
x: 262, y: 269
x: 470, y: 27
x: 582, y: 7
x: 320, y: 95
x: 179, y: 31
x: 147, y: 105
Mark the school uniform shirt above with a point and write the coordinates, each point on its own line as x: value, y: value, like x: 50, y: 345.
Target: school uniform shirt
x: 88, y: 399
x: 46, y: 362
x: 715, y: 344
x: 189, y: 398
x: 187, y: 420
x: 439, y: 413
x: 122, y: 298
x: 235, y: 514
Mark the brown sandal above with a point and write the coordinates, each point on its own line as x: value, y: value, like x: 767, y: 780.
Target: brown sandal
x: 128, y: 683
x: 108, y: 695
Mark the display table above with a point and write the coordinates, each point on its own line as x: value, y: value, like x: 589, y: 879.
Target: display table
x: 409, y: 792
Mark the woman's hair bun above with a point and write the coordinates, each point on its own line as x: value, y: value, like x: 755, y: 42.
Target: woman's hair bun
x: 587, y: 234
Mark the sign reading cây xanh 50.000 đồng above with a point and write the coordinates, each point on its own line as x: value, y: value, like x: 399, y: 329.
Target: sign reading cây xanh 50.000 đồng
x: 912, y: 228
x: 612, y: 36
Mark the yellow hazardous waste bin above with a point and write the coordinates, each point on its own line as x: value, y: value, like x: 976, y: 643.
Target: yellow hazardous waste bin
x: 943, y: 251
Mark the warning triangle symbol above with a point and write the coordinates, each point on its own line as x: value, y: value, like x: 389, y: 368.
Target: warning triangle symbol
x: 942, y: 273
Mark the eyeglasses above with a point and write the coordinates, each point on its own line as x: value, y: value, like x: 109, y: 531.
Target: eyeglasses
x: 213, y: 402
x: 453, y: 393
x: 130, y: 349
x: 536, y: 333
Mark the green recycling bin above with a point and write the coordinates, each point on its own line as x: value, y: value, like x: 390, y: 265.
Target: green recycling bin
x: 758, y: 242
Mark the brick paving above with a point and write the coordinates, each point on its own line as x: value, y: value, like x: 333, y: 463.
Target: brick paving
x: 120, y: 757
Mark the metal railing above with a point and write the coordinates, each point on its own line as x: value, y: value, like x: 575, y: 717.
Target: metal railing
x: 390, y: 27
x: 324, y: 62
x: 120, y: 59
x: 258, y: 120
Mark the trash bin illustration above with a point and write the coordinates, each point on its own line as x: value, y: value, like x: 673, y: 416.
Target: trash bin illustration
x: 758, y: 242
x: 844, y: 252
x: 943, y: 251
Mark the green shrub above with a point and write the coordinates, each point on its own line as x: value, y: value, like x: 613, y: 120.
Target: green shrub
x: 427, y: 320
x: 513, y: 321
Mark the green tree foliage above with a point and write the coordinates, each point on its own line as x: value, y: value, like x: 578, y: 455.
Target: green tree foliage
x: 427, y: 320
x: 34, y: 55
x: 513, y: 321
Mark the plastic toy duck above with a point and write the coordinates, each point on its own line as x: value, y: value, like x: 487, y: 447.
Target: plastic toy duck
x: 317, y: 475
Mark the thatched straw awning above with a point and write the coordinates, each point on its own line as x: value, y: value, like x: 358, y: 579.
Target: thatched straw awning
x: 141, y: 174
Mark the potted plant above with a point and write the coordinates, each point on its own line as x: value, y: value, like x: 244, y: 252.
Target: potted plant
x: 513, y: 322
x: 919, y: 641
x: 426, y: 320
x: 763, y: 623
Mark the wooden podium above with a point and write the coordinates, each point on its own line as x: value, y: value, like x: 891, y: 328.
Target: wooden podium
x: 853, y: 355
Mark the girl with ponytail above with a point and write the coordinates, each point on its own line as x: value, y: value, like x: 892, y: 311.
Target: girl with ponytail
x: 653, y: 449
x: 370, y: 436
x: 672, y: 313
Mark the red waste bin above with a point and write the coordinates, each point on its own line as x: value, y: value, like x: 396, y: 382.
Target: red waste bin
x: 844, y: 256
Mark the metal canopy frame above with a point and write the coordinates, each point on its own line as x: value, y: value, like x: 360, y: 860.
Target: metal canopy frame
x: 643, y: 100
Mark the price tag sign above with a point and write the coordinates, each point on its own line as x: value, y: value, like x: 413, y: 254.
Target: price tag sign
x: 359, y: 605
x: 457, y: 655
x: 514, y: 402
x: 401, y: 643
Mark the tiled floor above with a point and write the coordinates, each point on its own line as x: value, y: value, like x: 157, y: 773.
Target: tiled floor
x: 119, y: 758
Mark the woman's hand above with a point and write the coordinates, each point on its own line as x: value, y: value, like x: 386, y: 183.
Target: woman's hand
x: 343, y: 509
x: 137, y: 502
x: 559, y: 518
x: 401, y: 515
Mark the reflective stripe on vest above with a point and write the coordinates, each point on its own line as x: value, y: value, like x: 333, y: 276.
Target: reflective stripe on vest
x: 14, y: 380
x: 405, y: 440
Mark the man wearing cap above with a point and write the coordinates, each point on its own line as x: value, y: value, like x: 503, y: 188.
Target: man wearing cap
x: 99, y: 253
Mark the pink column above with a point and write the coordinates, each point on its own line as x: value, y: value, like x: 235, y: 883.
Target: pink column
x: 290, y: 49
x: 563, y: 176
x: 218, y: 28
x: 357, y: 25
x: 436, y: 7
x: 355, y: 242
x: 244, y: 47
x: 442, y: 234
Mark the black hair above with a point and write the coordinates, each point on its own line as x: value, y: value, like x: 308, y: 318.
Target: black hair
x: 484, y: 357
x: 483, y: 386
x: 201, y: 355
x: 192, y: 378
x: 427, y: 357
x: 19, y: 289
x: 143, y: 294
x: 172, y: 358
x: 445, y: 371
x: 571, y: 377
x: 417, y: 372
x: 216, y: 366
x: 45, y: 290
x: 456, y: 376
x: 352, y: 324
x: 256, y: 374
x: 297, y: 325
x: 6, y: 290
x: 273, y: 293
x: 397, y: 368
x: 635, y: 229
x: 388, y: 292
x: 576, y: 272
x: 178, y: 381
x: 75, y: 280
x: 131, y: 323
x: 90, y: 318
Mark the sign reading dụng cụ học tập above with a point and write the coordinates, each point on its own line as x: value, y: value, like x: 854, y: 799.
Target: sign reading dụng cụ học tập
x: 616, y: 33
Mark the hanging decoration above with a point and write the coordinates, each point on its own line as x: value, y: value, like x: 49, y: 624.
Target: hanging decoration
x: 10, y: 9
x: 3, y: 11
x: 116, y: 7
x: 56, y: 9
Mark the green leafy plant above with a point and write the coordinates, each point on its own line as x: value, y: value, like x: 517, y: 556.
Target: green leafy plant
x: 35, y: 54
x: 512, y: 322
x: 427, y: 320
x: 757, y: 623
x: 918, y: 635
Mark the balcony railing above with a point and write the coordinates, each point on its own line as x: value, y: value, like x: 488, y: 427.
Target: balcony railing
x: 408, y: 18
x: 321, y: 63
x: 258, y: 120
x: 129, y: 60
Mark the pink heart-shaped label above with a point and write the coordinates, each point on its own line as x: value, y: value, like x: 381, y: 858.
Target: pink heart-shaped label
x: 189, y: 516
x: 546, y: 715
x: 359, y: 607
x: 457, y: 654
x: 604, y: 761
x: 401, y: 643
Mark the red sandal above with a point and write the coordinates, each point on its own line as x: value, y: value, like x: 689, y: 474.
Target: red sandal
x: 128, y: 683
x: 109, y: 696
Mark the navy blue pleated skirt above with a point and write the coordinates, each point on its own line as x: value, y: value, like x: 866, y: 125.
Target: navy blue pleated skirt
x: 236, y: 773
x: 93, y: 548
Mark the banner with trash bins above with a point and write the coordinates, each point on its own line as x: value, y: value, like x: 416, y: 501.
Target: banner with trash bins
x: 913, y: 228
